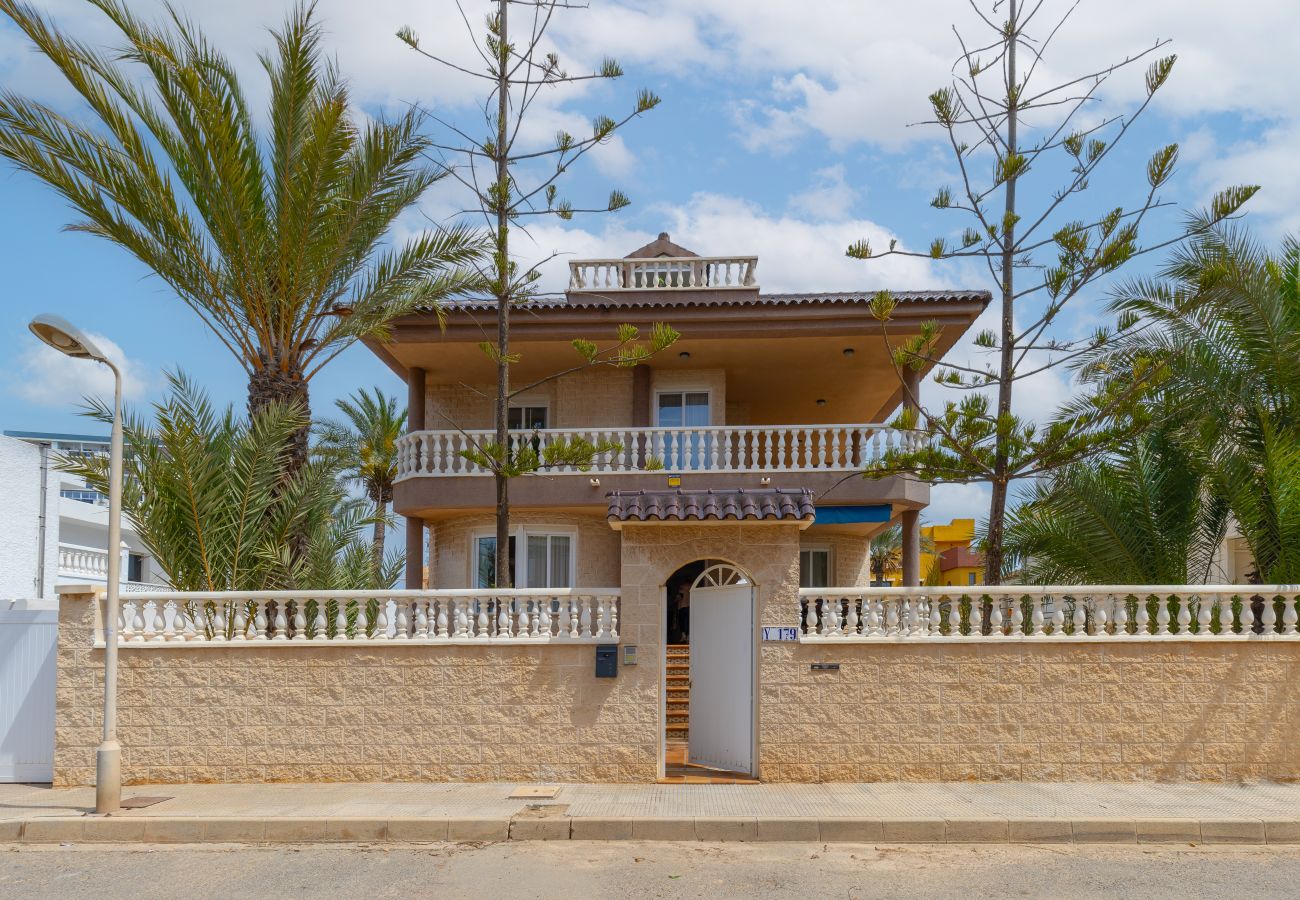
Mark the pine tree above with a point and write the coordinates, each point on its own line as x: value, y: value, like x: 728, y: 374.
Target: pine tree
x: 1039, y: 257
x: 491, y: 169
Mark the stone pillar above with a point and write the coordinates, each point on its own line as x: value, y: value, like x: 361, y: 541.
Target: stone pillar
x: 414, y: 525
x: 911, y: 519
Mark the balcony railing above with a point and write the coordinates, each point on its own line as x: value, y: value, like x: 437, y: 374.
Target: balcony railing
x: 91, y: 564
x: 722, y: 448
x: 1111, y: 613
x: 672, y: 274
x: 308, y: 618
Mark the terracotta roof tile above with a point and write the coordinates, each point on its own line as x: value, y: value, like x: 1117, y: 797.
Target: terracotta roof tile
x: 781, y: 504
x: 730, y: 298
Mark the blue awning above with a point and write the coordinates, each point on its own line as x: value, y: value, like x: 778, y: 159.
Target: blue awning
x: 843, y: 515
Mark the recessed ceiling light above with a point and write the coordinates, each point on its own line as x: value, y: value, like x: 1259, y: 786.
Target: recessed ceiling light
x: 685, y: 354
x: 848, y: 351
x: 821, y: 402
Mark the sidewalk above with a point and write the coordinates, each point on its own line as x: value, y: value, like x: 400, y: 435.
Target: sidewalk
x: 894, y: 813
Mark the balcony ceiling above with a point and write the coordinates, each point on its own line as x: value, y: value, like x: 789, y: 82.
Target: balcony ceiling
x: 780, y: 360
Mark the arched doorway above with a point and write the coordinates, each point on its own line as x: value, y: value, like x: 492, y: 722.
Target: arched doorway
x: 710, y: 672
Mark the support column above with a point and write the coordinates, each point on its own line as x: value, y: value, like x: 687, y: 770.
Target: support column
x: 415, y: 549
x: 911, y: 519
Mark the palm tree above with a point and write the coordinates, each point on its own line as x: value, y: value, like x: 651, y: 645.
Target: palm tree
x: 212, y: 500
x: 364, y: 450
x: 275, y: 240
x: 1141, y: 516
x: 1220, y: 330
x: 885, y: 553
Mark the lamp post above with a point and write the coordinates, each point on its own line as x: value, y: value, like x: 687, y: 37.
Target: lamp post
x: 67, y: 339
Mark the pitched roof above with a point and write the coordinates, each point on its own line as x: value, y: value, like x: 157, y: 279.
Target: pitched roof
x: 661, y: 246
x: 739, y: 504
x: 705, y: 297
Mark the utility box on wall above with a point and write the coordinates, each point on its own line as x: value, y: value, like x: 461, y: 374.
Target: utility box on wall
x: 606, y: 660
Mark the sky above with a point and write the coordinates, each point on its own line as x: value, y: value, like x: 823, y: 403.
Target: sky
x: 787, y: 130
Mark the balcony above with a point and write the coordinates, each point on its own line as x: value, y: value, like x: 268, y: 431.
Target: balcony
x: 90, y: 565
x: 714, y: 449
x: 672, y: 274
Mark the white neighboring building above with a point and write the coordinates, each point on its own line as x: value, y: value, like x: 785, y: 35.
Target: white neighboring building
x: 55, y: 527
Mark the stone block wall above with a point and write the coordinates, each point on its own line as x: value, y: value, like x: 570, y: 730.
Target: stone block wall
x: 323, y: 713
x: 1128, y: 711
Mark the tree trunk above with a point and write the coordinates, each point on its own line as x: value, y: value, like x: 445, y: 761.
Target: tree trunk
x: 381, y: 509
x: 504, y: 577
x: 269, y: 384
x: 1006, y: 371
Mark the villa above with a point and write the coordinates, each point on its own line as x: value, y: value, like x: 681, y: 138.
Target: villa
x: 694, y: 605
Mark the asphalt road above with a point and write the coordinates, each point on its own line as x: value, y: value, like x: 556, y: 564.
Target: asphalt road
x: 572, y: 870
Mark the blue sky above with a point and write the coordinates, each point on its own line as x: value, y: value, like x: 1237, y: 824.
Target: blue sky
x: 783, y: 132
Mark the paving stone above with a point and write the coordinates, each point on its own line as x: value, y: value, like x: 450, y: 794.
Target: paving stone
x: 552, y: 828
x: 601, y: 829
x: 1232, y: 831
x: 234, y: 830
x: 292, y: 830
x: 52, y: 830
x: 663, y: 829
x: 788, y: 828
x: 418, y: 830
x: 493, y: 828
x: 912, y: 831
x: 1040, y: 831
x: 1104, y: 831
x: 356, y: 829
x: 726, y: 828
x: 977, y: 831
x: 1168, y: 831
x: 112, y: 828
x: 173, y: 830
x: 850, y: 830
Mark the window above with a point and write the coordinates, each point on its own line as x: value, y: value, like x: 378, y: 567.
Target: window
x: 685, y: 409
x: 547, y: 562
x: 526, y: 418
x: 135, y: 567
x: 815, y: 568
x: 972, y: 578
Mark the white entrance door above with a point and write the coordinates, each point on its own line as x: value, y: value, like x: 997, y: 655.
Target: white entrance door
x: 722, y: 671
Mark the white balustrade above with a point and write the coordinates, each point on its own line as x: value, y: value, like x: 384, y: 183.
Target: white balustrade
x: 1059, y: 612
x: 664, y: 274
x: 717, y: 448
x: 305, y: 618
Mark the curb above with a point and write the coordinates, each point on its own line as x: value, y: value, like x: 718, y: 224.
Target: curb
x: 993, y: 830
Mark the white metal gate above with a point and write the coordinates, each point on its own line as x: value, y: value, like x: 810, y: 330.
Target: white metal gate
x: 722, y: 671
x: 28, y: 638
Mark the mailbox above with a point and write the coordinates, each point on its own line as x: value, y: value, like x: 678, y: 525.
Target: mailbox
x: 606, y: 660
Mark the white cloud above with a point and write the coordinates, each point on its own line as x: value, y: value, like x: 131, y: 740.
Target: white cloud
x: 830, y: 197
x: 1270, y: 161
x: 47, y: 376
x: 957, y: 501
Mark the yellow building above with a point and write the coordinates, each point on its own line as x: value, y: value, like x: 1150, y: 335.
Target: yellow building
x: 946, y: 555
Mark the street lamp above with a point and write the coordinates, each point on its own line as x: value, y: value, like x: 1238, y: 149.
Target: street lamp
x: 66, y: 338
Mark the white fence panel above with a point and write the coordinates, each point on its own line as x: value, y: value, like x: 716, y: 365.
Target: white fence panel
x: 28, y: 639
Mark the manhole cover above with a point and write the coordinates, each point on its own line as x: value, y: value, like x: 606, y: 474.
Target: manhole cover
x: 534, y: 792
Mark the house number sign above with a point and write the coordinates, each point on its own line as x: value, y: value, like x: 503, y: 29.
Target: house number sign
x: 780, y: 632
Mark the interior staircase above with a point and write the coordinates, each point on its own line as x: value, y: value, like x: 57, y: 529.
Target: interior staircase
x: 678, y: 699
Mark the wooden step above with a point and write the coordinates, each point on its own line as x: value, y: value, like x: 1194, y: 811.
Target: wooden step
x: 677, y: 728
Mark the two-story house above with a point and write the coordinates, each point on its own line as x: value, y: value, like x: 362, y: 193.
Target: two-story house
x: 735, y: 480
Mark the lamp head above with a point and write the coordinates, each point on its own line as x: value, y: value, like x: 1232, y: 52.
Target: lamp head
x: 65, y: 337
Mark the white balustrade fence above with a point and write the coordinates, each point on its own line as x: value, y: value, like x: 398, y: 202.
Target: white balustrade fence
x: 718, y: 448
x: 91, y: 564
x: 1067, y: 613
x: 307, y: 618
x: 678, y: 273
